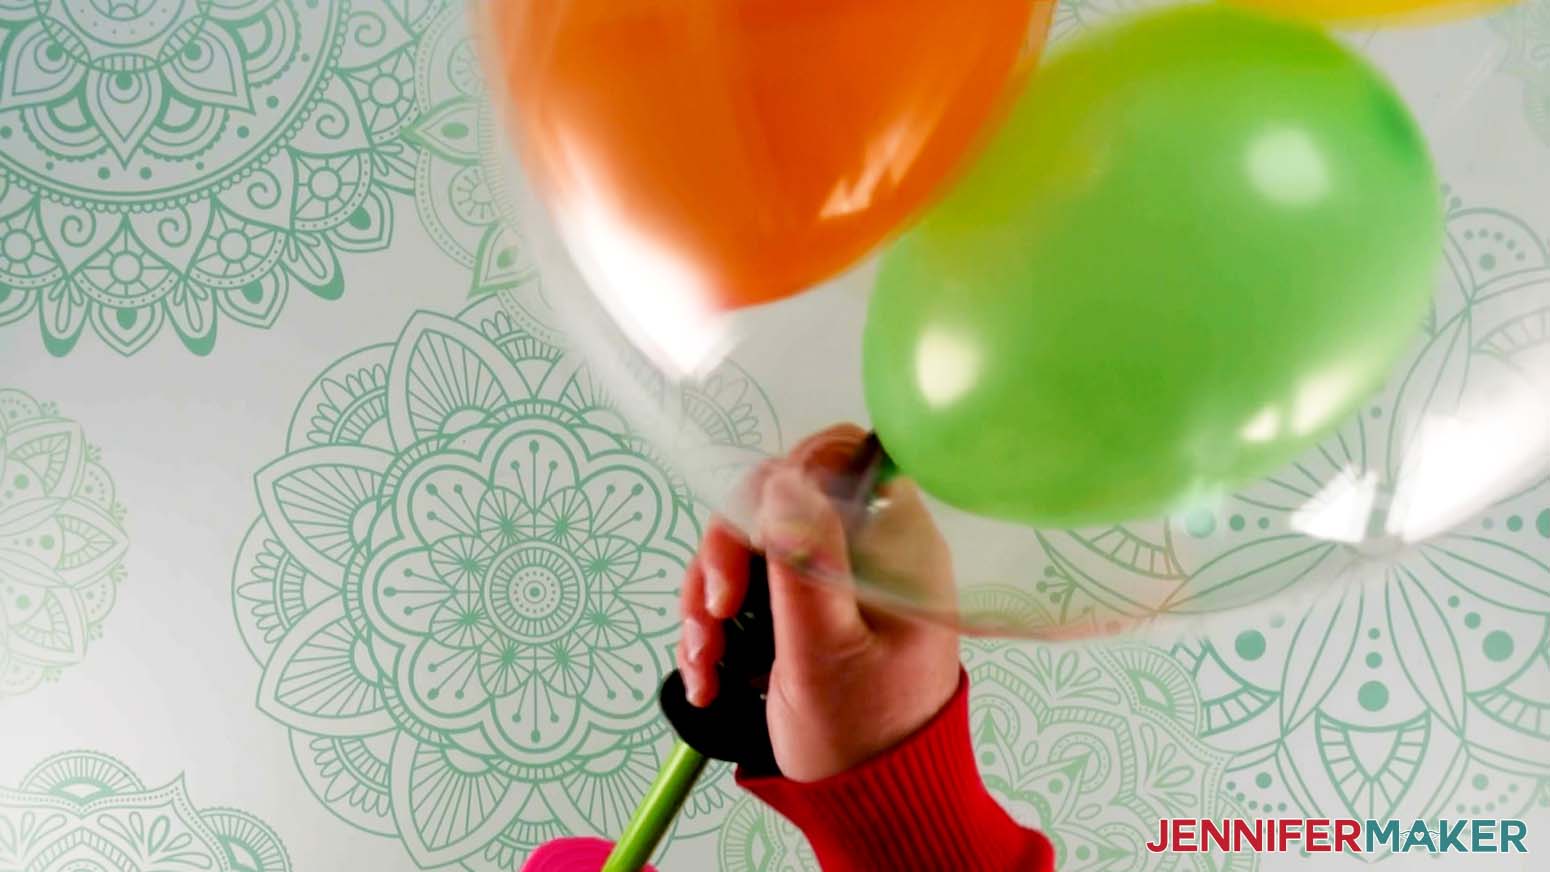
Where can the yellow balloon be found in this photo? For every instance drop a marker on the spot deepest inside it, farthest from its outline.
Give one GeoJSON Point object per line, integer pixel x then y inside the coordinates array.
{"type": "Point", "coordinates": [1374, 11]}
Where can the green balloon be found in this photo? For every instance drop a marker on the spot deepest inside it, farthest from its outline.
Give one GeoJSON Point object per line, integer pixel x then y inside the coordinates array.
{"type": "Point", "coordinates": [1199, 240]}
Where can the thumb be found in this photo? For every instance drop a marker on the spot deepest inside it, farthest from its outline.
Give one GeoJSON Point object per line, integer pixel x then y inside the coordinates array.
{"type": "Point", "coordinates": [815, 611]}
{"type": "Point", "coordinates": [902, 555]}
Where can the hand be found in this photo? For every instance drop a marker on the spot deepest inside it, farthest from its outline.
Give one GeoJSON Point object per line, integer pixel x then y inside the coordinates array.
{"type": "Point", "coordinates": [848, 682]}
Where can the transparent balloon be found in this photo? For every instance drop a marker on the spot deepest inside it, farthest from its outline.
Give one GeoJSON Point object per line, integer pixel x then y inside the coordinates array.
{"type": "Point", "coordinates": [1440, 467]}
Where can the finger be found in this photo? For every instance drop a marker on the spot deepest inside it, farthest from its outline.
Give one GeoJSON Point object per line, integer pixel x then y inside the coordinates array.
{"type": "Point", "coordinates": [701, 684]}
{"type": "Point", "coordinates": [742, 501]}
{"type": "Point", "coordinates": [816, 615]}
{"type": "Point", "coordinates": [813, 606]}
{"type": "Point", "coordinates": [692, 682]}
{"type": "Point", "coordinates": [724, 560]}
{"type": "Point", "coordinates": [701, 641]}
{"type": "Point", "coordinates": [900, 552]}
{"type": "Point", "coordinates": [825, 454]}
{"type": "Point", "coordinates": [702, 646]}
{"type": "Point", "coordinates": [691, 601]}
{"type": "Point", "coordinates": [830, 451]}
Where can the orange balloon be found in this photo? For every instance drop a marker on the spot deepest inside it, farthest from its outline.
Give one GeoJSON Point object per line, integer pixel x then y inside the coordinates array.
{"type": "Point", "coordinates": [751, 147]}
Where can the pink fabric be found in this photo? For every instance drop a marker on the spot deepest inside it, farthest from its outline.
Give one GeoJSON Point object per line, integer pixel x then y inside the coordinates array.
{"type": "Point", "coordinates": [576, 854]}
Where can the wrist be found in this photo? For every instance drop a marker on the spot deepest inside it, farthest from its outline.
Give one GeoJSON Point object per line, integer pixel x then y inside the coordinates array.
{"type": "Point", "coordinates": [927, 701]}
{"type": "Point", "coordinates": [918, 805]}
{"type": "Point", "coordinates": [823, 731]}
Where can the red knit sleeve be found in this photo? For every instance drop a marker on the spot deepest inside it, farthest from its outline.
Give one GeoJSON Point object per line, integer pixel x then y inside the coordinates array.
{"type": "Point", "coordinates": [918, 806]}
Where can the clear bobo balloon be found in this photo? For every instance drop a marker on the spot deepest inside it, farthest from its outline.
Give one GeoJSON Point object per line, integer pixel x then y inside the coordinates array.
{"type": "Point", "coordinates": [700, 263]}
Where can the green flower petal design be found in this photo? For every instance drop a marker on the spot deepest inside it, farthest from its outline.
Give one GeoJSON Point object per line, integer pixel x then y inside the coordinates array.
{"type": "Point", "coordinates": [756, 839]}
{"type": "Point", "coordinates": [83, 810]}
{"type": "Point", "coordinates": [462, 588]}
{"type": "Point", "coordinates": [172, 161]}
{"type": "Point", "coordinates": [1093, 746]}
{"type": "Point", "coordinates": [461, 193]}
{"type": "Point", "coordinates": [62, 543]}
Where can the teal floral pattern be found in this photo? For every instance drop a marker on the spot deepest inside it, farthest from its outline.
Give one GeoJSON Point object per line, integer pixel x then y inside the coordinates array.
{"type": "Point", "coordinates": [755, 839]}
{"type": "Point", "coordinates": [84, 812]}
{"type": "Point", "coordinates": [177, 161]}
{"type": "Point", "coordinates": [462, 196]}
{"type": "Point", "coordinates": [62, 543]}
{"type": "Point", "coordinates": [1093, 746]}
{"type": "Point", "coordinates": [463, 589]}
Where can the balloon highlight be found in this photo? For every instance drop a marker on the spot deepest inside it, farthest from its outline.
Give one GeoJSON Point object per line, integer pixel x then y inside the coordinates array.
{"type": "Point", "coordinates": [1199, 240]}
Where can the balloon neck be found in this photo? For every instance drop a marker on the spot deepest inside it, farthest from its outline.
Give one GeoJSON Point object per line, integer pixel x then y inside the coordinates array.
{"type": "Point", "coordinates": [887, 470]}
{"type": "Point", "coordinates": [868, 470]}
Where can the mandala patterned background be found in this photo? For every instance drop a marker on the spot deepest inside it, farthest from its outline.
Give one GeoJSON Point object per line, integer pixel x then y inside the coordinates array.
{"type": "Point", "coordinates": [445, 567]}
{"type": "Point", "coordinates": [62, 543]}
{"type": "Point", "coordinates": [461, 194]}
{"type": "Point", "coordinates": [463, 588]}
{"type": "Point", "coordinates": [177, 162]}
{"type": "Point", "coordinates": [86, 811]}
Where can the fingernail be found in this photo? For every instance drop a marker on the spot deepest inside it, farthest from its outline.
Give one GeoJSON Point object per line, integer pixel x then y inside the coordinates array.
{"type": "Point", "coordinates": [718, 594]}
{"type": "Point", "coordinates": [695, 641]}
{"type": "Point", "coordinates": [694, 690]}
{"type": "Point", "coordinates": [791, 508]}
